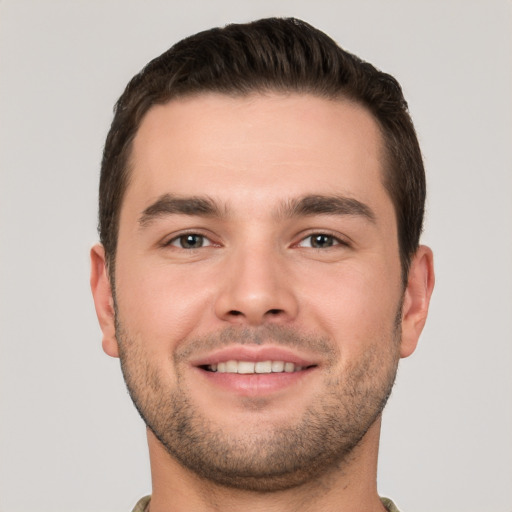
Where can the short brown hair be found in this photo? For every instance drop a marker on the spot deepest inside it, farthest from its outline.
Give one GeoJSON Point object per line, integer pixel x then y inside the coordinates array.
{"type": "Point", "coordinates": [272, 54]}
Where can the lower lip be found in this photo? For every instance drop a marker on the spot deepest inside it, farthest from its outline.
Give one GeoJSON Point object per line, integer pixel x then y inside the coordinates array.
{"type": "Point", "coordinates": [255, 384]}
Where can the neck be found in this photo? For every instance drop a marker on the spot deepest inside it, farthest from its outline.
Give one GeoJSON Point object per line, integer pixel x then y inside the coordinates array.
{"type": "Point", "coordinates": [349, 486]}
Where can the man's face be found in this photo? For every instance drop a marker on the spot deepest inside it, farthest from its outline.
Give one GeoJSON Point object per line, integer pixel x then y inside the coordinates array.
{"type": "Point", "coordinates": [256, 236]}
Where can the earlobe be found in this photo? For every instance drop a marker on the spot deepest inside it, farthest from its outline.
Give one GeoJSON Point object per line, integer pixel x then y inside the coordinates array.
{"type": "Point", "coordinates": [103, 300]}
{"type": "Point", "coordinates": [417, 299]}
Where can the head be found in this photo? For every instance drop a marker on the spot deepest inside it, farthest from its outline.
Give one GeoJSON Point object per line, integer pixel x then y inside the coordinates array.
{"type": "Point", "coordinates": [261, 202]}
{"type": "Point", "coordinates": [281, 55]}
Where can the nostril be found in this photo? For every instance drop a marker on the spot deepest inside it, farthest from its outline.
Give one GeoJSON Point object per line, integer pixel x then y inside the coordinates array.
{"type": "Point", "coordinates": [233, 312]}
{"type": "Point", "coordinates": [274, 311]}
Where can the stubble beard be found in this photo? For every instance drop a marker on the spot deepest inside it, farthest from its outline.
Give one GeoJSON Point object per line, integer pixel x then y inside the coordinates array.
{"type": "Point", "coordinates": [266, 459]}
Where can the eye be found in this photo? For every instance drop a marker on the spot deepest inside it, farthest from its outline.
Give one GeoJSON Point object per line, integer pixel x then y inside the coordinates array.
{"type": "Point", "coordinates": [320, 241]}
{"type": "Point", "coordinates": [190, 241]}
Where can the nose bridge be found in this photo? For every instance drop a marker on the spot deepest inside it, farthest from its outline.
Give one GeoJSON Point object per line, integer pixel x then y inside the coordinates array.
{"type": "Point", "coordinates": [255, 286]}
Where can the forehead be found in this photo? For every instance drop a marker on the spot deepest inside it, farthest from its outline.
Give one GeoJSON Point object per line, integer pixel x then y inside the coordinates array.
{"type": "Point", "coordinates": [274, 145]}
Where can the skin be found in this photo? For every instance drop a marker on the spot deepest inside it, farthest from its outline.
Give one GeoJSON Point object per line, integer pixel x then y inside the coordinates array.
{"type": "Point", "coordinates": [258, 281]}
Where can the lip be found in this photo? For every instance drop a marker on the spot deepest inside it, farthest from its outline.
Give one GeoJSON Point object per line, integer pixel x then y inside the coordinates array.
{"type": "Point", "coordinates": [254, 353]}
{"type": "Point", "coordinates": [253, 385]}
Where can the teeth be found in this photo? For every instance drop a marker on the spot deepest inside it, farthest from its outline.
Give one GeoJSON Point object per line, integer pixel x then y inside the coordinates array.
{"type": "Point", "coordinates": [232, 367]}
{"type": "Point", "coordinates": [263, 367]}
{"type": "Point", "coordinates": [243, 367]}
{"type": "Point", "coordinates": [289, 367]}
{"type": "Point", "coordinates": [247, 367]}
{"type": "Point", "coordinates": [277, 366]}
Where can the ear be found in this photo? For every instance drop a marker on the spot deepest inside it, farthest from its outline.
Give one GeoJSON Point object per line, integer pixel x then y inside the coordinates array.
{"type": "Point", "coordinates": [103, 300]}
{"type": "Point", "coordinates": [417, 299]}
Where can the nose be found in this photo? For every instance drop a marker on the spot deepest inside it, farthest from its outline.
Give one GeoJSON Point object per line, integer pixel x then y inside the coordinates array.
{"type": "Point", "coordinates": [257, 287]}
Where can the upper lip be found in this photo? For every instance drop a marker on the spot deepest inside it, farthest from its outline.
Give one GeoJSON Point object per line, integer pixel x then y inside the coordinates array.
{"type": "Point", "coordinates": [253, 353]}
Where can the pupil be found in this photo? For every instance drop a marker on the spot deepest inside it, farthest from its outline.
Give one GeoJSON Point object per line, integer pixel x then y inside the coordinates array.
{"type": "Point", "coordinates": [322, 241]}
{"type": "Point", "coordinates": [191, 241]}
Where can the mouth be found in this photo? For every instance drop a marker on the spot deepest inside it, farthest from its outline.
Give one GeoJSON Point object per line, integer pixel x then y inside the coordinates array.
{"type": "Point", "coordinates": [255, 370]}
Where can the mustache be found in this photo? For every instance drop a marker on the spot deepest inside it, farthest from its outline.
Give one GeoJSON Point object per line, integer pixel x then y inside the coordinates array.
{"type": "Point", "coordinates": [262, 335]}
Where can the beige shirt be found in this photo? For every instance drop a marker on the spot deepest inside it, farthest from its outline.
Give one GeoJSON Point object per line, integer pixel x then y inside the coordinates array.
{"type": "Point", "coordinates": [143, 503]}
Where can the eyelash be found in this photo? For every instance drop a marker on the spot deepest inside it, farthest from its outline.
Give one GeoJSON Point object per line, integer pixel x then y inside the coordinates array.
{"type": "Point", "coordinates": [173, 242]}
{"type": "Point", "coordinates": [332, 240]}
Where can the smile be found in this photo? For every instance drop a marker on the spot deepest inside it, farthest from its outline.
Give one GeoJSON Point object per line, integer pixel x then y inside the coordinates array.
{"type": "Point", "coordinates": [251, 367]}
{"type": "Point", "coordinates": [253, 371]}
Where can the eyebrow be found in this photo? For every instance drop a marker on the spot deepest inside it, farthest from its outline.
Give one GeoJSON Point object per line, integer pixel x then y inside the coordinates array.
{"type": "Point", "coordinates": [203, 206]}
{"type": "Point", "coordinates": [168, 204]}
{"type": "Point", "coordinates": [326, 205]}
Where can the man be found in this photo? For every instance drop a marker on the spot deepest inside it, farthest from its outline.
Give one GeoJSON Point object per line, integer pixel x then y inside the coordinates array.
{"type": "Point", "coordinates": [260, 273]}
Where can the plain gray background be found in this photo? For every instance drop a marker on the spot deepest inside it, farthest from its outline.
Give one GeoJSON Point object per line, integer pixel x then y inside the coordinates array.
{"type": "Point", "coordinates": [70, 439]}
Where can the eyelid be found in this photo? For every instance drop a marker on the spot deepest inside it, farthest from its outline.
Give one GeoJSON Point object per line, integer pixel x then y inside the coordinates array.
{"type": "Point", "coordinates": [174, 237]}
{"type": "Point", "coordinates": [339, 239]}
{"type": "Point", "coordinates": [175, 242]}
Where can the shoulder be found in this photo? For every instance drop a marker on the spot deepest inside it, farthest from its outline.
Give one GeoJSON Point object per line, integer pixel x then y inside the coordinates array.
{"type": "Point", "coordinates": [390, 506]}
{"type": "Point", "coordinates": [142, 504]}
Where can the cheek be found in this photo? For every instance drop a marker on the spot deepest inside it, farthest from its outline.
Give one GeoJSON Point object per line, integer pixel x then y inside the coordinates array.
{"type": "Point", "coordinates": [162, 304]}
{"type": "Point", "coordinates": [356, 305]}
